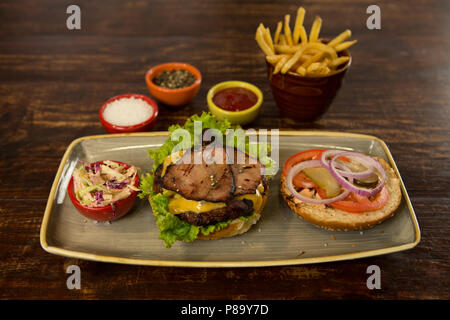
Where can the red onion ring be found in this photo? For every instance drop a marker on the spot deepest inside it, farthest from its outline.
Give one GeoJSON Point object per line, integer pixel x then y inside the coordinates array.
{"type": "Point", "coordinates": [366, 160]}
{"type": "Point", "coordinates": [298, 168]}
{"type": "Point", "coordinates": [345, 173]}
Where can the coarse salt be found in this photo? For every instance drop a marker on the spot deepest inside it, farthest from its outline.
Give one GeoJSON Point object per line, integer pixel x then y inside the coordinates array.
{"type": "Point", "coordinates": [127, 112]}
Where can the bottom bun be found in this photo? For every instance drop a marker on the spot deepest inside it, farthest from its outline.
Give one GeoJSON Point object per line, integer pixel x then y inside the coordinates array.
{"type": "Point", "coordinates": [335, 219]}
{"type": "Point", "coordinates": [236, 227]}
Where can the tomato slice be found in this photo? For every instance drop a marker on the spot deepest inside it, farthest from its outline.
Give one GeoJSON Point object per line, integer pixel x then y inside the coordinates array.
{"type": "Point", "coordinates": [358, 204]}
{"type": "Point", "coordinates": [312, 154]}
{"type": "Point", "coordinates": [302, 181]}
{"type": "Point", "coordinates": [322, 193]}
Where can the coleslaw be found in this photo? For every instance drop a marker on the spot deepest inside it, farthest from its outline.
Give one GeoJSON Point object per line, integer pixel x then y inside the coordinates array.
{"type": "Point", "coordinates": [103, 183]}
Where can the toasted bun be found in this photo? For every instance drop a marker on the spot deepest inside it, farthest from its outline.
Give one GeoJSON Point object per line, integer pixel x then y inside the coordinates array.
{"type": "Point", "coordinates": [334, 219]}
{"type": "Point", "coordinates": [237, 226]}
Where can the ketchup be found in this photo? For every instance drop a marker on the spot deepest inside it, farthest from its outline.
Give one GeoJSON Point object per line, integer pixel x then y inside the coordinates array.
{"type": "Point", "coordinates": [235, 99]}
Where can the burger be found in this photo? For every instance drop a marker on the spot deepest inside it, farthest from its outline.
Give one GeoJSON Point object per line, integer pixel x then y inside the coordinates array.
{"type": "Point", "coordinates": [206, 192]}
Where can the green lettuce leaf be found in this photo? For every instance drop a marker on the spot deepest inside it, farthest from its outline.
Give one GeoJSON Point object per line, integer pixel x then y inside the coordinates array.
{"type": "Point", "coordinates": [146, 186]}
{"type": "Point", "coordinates": [206, 230]}
{"type": "Point", "coordinates": [208, 122]}
{"type": "Point", "coordinates": [171, 228]}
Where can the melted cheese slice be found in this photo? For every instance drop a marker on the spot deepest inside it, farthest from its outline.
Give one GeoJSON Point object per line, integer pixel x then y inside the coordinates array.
{"type": "Point", "coordinates": [256, 198]}
{"type": "Point", "coordinates": [173, 158]}
{"type": "Point", "coordinates": [178, 204]}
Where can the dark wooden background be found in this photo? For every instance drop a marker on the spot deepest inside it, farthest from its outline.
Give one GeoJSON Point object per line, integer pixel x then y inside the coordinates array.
{"type": "Point", "coordinates": [53, 81]}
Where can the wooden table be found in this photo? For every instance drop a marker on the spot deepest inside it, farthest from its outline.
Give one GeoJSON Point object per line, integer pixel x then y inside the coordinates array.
{"type": "Point", "coordinates": [54, 80]}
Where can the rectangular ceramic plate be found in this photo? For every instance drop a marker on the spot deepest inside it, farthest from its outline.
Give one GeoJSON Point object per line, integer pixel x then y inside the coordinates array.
{"type": "Point", "coordinates": [279, 238]}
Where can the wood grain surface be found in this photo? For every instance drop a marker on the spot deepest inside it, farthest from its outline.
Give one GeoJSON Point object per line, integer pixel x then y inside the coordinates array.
{"type": "Point", "coordinates": [53, 81]}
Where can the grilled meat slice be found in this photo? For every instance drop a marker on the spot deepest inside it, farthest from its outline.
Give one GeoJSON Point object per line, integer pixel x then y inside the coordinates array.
{"type": "Point", "coordinates": [220, 175]}
{"type": "Point", "coordinates": [157, 188]}
{"type": "Point", "coordinates": [247, 173]}
{"type": "Point", "coordinates": [208, 180]}
{"type": "Point", "coordinates": [214, 175]}
{"type": "Point", "coordinates": [213, 182]}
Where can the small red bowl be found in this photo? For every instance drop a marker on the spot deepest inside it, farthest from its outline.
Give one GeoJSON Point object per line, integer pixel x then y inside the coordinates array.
{"type": "Point", "coordinates": [105, 213]}
{"type": "Point", "coordinates": [141, 127]}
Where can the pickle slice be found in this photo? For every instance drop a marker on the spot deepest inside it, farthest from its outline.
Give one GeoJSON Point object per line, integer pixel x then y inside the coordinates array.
{"type": "Point", "coordinates": [368, 182]}
{"type": "Point", "coordinates": [323, 178]}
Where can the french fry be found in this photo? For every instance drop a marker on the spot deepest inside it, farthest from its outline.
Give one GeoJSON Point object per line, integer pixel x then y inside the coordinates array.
{"type": "Point", "coordinates": [337, 62]}
{"type": "Point", "coordinates": [277, 32]}
{"type": "Point", "coordinates": [299, 24]}
{"type": "Point", "coordinates": [303, 35]}
{"type": "Point", "coordinates": [325, 64]}
{"type": "Point", "coordinates": [305, 56]}
{"type": "Point", "coordinates": [343, 36]}
{"type": "Point", "coordinates": [311, 51]}
{"type": "Point", "coordinates": [312, 60]}
{"type": "Point", "coordinates": [315, 29]}
{"type": "Point", "coordinates": [317, 69]}
{"type": "Point", "coordinates": [344, 45]}
{"type": "Point", "coordinates": [279, 48]}
{"type": "Point", "coordinates": [323, 47]}
{"type": "Point", "coordinates": [282, 40]}
{"type": "Point", "coordinates": [293, 60]}
{"type": "Point", "coordinates": [259, 37]}
{"type": "Point", "coordinates": [287, 30]}
{"type": "Point", "coordinates": [274, 58]}
{"type": "Point", "coordinates": [299, 63]}
{"type": "Point", "coordinates": [301, 71]}
{"type": "Point", "coordinates": [280, 64]}
{"type": "Point", "coordinates": [268, 38]}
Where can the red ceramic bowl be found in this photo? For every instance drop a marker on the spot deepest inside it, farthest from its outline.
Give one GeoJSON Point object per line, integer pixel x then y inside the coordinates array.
{"type": "Point", "coordinates": [141, 127]}
{"type": "Point", "coordinates": [306, 99]}
{"type": "Point", "coordinates": [173, 97]}
{"type": "Point", "coordinates": [105, 213]}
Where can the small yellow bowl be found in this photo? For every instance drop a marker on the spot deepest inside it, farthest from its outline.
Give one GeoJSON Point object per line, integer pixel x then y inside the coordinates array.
{"type": "Point", "coordinates": [235, 117]}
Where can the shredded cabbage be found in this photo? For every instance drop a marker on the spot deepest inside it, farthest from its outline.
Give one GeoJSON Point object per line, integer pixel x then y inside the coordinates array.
{"type": "Point", "coordinates": [103, 184]}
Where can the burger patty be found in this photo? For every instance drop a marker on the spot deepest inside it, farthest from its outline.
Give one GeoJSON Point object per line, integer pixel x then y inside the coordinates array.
{"type": "Point", "coordinates": [213, 182]}
{"type": "Point", "coordinates": [233, 210]}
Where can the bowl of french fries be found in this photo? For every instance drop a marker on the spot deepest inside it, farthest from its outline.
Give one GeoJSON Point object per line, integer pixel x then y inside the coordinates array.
{"type": "Point", "coordinates": [305, 70]}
